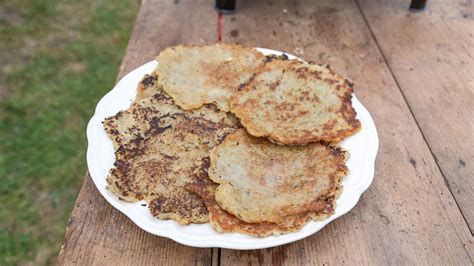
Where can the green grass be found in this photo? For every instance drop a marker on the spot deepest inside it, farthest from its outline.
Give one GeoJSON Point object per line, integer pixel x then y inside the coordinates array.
{"type": "Point", "coordinates": [57, 59]}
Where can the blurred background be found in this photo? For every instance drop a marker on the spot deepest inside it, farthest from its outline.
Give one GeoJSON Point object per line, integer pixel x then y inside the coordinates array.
{"type": "Point", "coordinates": [57, 58]}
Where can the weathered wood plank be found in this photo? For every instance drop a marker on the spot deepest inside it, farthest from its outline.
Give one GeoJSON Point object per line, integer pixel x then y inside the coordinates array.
{"type": "Point", "coordinates": [408, 215]}
{"type": "Point", "coordinates": [166, 23]}
{"type": "Point", "coordinates": [431, 54]}
{"type": "Point", "coordinates": [97, 233]}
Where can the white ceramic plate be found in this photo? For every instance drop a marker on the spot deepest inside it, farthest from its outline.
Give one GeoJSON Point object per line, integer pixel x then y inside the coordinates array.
{"type": "Point", "coordinates": [100, 158]}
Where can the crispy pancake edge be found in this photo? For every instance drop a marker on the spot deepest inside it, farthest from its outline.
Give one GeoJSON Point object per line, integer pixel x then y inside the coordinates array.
{"type": "Point", "coordinates": [346, 110]}
{"type": "Point", "coordinates": [338, 157]}
{"type": "Point", "coordinates": [145, 89]}
{"type": "Point", "coordinates": [222, 105]}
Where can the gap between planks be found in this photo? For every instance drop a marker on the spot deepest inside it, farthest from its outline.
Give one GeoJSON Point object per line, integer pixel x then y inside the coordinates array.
{"type": "Point", "coordinates": [411, 111]}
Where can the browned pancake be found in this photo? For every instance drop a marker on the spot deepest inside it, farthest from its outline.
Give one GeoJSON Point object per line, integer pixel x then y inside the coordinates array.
{"type": "Point", "coordinates": [260, 181]}
{"type": "Point", "coordinates": [159, 148]}
{"type": "Point", "coordinates": [196, 75]}
{"type": "Point", "coordinates": [294, 103]}
{"type": "Point", "coordinates": [222, 221]}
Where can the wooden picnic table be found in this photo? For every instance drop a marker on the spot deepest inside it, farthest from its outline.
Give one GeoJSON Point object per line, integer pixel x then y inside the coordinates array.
{"type": "Point", "coordinates": [415, 74]}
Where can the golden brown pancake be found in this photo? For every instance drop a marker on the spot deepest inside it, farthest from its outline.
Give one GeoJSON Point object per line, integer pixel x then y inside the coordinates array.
{"type": "Point", "coordinates": [260, 181]}
{"type": "Point", "coordinates": [294, 103]}
{"type": "Point", "coordinates": [159, 148]}
{"type": "Point", "coordinates": [223, 222]}
{"type": "Point", "coordinates": [196, 75]}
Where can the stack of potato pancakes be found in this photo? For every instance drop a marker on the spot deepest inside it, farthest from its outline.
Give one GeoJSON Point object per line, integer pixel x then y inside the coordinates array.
{"type": "Point", "coordinates": [223, 134]}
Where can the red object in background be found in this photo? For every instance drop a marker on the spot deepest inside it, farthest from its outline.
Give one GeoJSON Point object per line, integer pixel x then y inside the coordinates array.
{"type": "Point", "coordinates": [219, 32]}
{"type": "Point", "coordinates": [223, 7]}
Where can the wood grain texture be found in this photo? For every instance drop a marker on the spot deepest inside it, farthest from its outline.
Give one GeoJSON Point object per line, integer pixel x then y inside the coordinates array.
{"type": "Point", "coordinates": [97, 233]}
{"type": "Point", "coordinates": [431, 55]}
{"type": "Point", "coordinates": [166, 23]}
{"type": "Point", "coordinates": [408, 215]}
